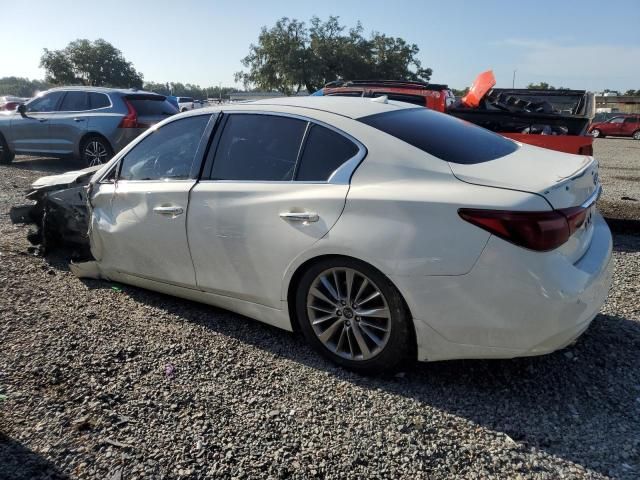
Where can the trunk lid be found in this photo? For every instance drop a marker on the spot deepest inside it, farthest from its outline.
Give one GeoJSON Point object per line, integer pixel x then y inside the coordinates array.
{"type": "Point", "coordinates": [563, 179]}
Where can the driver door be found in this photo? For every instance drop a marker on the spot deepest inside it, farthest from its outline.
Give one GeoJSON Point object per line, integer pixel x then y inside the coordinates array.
{"type": "Point", "coordinates": [139, 221]}
{"type": "Point", "coordinates": [31, 133]}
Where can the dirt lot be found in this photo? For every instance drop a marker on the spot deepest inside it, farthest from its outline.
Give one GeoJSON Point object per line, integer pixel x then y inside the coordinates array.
{"type": "Point", "coordinates": [620, 173]}
{"type": "Point", "coordinates": [109, 381]}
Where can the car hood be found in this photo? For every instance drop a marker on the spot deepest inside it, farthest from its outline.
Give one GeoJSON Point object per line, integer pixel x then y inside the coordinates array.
{"type": "Point", "coordinates": [65, 179]}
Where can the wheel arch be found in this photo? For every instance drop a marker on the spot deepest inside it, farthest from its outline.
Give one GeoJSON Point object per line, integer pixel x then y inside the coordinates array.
{"type": "Point", "coordinates": [303, 267]}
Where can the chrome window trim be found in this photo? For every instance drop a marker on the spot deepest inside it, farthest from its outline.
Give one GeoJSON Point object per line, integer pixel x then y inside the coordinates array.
{"type": "Point", "coordinates": [340, 176]}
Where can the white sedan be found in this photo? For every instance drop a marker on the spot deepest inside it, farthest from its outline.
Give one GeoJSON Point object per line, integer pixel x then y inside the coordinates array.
{"type": "Point", "coordinates": [381, 230]}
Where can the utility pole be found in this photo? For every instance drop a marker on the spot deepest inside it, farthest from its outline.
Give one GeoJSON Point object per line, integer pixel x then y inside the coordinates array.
{"type": "Point", "coordinates": [220, 92]}
{"type": "Point", "coordinates": [513, 83]}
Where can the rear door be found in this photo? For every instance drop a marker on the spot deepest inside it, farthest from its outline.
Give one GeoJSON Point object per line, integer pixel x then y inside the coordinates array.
{"type": "Point", "coordinates": [139, 225]}
{"type": "Point", "coordinates": [30, 134]}
{"type": "Point", "coordinates": [69, 123]}
{"type": "Point", "coordinates": [273, 187]}
{"type": "Point", "coordinates": [629, 126]}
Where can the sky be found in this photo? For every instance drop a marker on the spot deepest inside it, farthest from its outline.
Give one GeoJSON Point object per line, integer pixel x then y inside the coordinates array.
{"type": "Point", "coordinates": [582, 44]}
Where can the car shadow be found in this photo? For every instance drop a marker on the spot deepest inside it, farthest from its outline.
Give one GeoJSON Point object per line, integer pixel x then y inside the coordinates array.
{"type": "Point", "coordinates": [46, 165]}
{"type": "Point", "coordinates": [17, 462]}
{"type": "Point", "coordinates": [564, 403]}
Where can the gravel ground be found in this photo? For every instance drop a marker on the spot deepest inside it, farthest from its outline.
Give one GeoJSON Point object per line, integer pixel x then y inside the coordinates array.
{"type": "Point", "coordinates": [620, 174]}
{"type": "Point", "coordinates": [108, 381]}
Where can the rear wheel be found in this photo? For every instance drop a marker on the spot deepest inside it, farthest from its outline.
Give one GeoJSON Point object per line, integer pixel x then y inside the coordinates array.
{"type": "Point", "coordinates": [95, 150]}
{"type": "Point", "coordinates": [595, 133]}
{"type": "Point", "coordinates": [636, 135]}
{"type": "Point", "coordinates": [6, 155]}
{"type": "Point", "coordinates": [353, 315]}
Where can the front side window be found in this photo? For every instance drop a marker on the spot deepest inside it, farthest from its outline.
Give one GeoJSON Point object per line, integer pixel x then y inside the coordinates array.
{"type": "Point", "coordinates": [166, 154]}
{"type": "Point", "coordinates": [75, 102]}
{"type": "Point", "coordinates": [45, 103]}
{"type": "Point", "coordinates": [258, 148]}
{"type": "Point", "coordinates": [617, 120]}
{"type": "Point", "coordinates": [324, 151]}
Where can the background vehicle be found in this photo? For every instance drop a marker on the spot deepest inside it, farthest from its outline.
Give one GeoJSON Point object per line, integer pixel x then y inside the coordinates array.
{"type": "Point", "coordinates": [91, 123]}
{"type": "Point", "coordinates": [185, 103]}
{"type": "Point", "coordinates": [619, 126]}
{"type": "Point", "coordinates": [9, 102]}
{"type": "Point", "coordinates": [382, 231]}
{"type": "Point", "coordinates": [554, 119]}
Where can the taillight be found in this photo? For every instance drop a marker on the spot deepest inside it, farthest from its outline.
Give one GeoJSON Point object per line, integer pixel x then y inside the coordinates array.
{"type": "Point", "coordinates": [540, 231]}
{"type": "Point", "coordinates": [130, 120]}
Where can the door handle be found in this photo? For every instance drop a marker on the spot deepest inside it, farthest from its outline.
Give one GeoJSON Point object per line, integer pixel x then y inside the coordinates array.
{"type": "Point", "coordinates": [78, 119]}
{"type": "Point", "coordinates": [42, 120]}
{"type": "Point", "coordinates": [171, 211]}
{"type": "Point", "coordinates": [300, 216]}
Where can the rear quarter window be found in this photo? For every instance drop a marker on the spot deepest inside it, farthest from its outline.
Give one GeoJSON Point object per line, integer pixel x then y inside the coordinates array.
{"type": "Point", "coordinates": [443, 136]}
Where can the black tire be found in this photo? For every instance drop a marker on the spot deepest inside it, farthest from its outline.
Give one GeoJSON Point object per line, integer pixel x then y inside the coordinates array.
{"type": "Point", "coordinates": [95, 150]}
{"type": "Point", "coordinates": [636, 135]}
{"type": "Point", "coordinates": [6, 155]}
{"type": "Point", "coordinates": [596, 133]}
{"type": "Point", "coordinates": [400, 345]}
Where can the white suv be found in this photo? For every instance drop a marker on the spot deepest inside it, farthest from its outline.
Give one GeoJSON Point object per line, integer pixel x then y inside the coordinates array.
{"type": "Point", "coordinates": [185, 103]}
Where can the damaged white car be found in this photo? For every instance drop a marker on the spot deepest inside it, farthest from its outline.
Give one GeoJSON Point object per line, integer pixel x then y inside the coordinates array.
{"type": "Point", "coordinates": [382, 231]}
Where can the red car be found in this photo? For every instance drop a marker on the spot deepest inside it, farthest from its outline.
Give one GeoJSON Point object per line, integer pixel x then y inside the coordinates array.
{"type": "Point", "coordinates": [620, 126]}
{"type": "Point", "coordinates": [554, 119]}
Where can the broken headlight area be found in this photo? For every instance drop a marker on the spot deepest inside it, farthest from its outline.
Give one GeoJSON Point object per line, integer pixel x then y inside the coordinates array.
{"type": "Point", "coordinates": [59, 213]}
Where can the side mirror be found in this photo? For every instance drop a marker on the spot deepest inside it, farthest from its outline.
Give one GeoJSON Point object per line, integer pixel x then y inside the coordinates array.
{"type": "Point", "coordinates": [22, 110]}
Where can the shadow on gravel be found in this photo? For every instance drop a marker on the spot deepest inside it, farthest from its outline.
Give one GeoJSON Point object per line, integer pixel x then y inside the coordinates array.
{"type": "Point", "coordinates": [581, 404]}
{"type": "Point", "coordinates": [46, 165]}
{"type": "Point", "coordinates": [19, 463]}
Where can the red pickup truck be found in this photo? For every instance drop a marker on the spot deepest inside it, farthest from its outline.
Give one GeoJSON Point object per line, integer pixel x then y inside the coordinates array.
{"type": "Point", "coordinates": [555, 119]}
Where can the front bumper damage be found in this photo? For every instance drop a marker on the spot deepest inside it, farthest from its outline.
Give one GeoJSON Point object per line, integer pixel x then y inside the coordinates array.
{"type": "Point", "coordinates": [59, 212]}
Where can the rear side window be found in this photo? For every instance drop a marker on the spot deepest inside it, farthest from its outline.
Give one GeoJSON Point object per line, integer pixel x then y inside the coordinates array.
{"type": "Point", "coordinates": [75, 102]}
{"type": "Point", "coordinates": [630, 120]}
{"type": "Point", "coordinates": [98, 100]}
{"type": "Point", "coordinates": [442, 136]}
{"type": "Point", "coordinates": [167, 153]}
{"type": "Point", "coordinates": [151, 105]}
{"type": "Point", "coordinates": [258, 148]}
{"type": "Point", "coordinates": [324, 151]}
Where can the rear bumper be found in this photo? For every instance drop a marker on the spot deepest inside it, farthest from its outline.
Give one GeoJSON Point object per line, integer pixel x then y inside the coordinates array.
{"type": "Point", "coordinates": [513, 303]}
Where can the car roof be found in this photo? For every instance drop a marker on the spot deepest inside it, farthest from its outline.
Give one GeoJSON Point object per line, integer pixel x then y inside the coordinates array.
{"type": "Point", "coordinates": [82, 88]}
{"type": "Point", "coordinates": [345, 106]}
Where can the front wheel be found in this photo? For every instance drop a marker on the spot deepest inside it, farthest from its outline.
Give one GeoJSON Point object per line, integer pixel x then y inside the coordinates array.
{"type": "Point", "coordinates": [595, 133]}
{"type": "Point", "coordinates": [636, 135]}
{"type": "Point", "coordinates": [353, 315]}
{"type": "Point", "coordinates": [95, 151]}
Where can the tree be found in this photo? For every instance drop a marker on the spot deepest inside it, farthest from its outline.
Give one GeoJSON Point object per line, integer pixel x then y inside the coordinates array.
{"type": "Point", "coordinates": [189, 90]}
{"type": "Point", "coordinates": [541, 86]}
{"type": "Point", "coordinates": [632, 93]}
{"type": "Point", "coordinates": [21, 87]}
{"type": "Point", "coordinates": [289, 56]}
{"type": "Point", "coordinates": [95, 63]}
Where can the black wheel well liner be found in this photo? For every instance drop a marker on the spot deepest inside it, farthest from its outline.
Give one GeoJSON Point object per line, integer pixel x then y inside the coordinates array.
{"type": "Point", "coordinates": [297, 275]}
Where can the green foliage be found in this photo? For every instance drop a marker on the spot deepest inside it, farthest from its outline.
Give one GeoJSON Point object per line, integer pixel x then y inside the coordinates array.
{"type": "Point", "coordinates": [189, 90]}
{"type": "Point", "coordinates": [632, 93]}
{"type": "Point", "coordinates": [289, 56]}
{"type": "Point", "coordinates": [21, 87]}
{"type": "Point", "coordinates": [83, 62]}
{"type": "Point", "coordinates": [541, 86]}
{"type": "Point", "coordinates": [460, 93]}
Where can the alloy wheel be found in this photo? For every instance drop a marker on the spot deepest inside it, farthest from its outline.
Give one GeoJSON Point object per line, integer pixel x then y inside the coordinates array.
{"type": "Point", "coordinates": [95, 153]}
{"type": "Point", "coordinates": [636, 135]}
{"type": "Point", "coordinates": [595, 133]}
{"type": "Point", "coordinates": [349, 313]}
